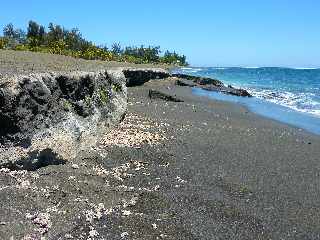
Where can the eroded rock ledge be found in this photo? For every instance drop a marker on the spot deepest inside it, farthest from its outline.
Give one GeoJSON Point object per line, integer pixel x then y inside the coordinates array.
{"type": "Point", "coordinates": [49, 118]}
{"type": "Point", "coordinates": [137, 77]}
{"type": "Point", "coordinates": [57, 113]}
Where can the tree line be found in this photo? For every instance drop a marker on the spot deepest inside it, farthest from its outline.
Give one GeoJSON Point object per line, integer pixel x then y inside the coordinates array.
{"type": "Point", "coordinates": [59, 40]}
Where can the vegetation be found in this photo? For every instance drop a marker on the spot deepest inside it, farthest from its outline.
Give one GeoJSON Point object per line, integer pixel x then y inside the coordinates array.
{"type": "Point", "coordinates": [58, 40]}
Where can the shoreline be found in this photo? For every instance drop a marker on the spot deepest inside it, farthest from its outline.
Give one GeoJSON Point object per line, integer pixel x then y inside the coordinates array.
{"type": "Point", "coordinates": [243, 108]}
{"type": "Point", "coordinates": [292, 100]}
{"type": "Point", "coordinates": [283, 115]}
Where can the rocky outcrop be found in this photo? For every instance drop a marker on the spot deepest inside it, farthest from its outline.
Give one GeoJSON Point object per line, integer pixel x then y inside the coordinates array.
{"type": "Point", "coordinates": [209, 84]}
{"type": "Point", "coordinates": [50, 117]}
{"type": "Point", "coordinates": [137, 77]}
{"type": "Point", "coordinates": [199, 80]}
{"type": "Point", "coordinates": [228, 90]}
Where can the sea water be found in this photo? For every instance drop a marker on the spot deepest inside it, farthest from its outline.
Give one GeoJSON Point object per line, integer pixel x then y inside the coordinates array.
{"type": "Point", "coordinates": [289, 95]}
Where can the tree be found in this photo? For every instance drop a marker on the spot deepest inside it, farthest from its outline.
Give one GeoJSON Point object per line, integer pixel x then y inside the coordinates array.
{"type": "Point", "coordinates": [36, 33]}
{"type": "Point", "coordinates": [174, 58]}
{"type": "Point", "coordinates": [13, 36]}
{"type": "Point", "coordinates": [56, 32]}
{"type": "Point", "coordinates": [42, 34]}
{"type": "Point", "coordinates": [116, 48]}
{"type": "Point", "coordinates": [74, 40]}
{"type": "Point", "coordinates": [8, 31]}
{"type": "Point", "coordinates": [33, 30]}
{"type": "Point", "coordinates": [59, 40]}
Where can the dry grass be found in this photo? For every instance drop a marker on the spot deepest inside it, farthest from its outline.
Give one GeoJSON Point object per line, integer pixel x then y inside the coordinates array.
{"type": "Point", "coordinates": [19, 62]}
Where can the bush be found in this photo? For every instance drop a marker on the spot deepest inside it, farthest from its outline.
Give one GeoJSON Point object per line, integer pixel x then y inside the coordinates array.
{"type": "Point", "coordinates": [59, 40]}
{"type": "Point", "coordinates": [58, 47]}
{"type": "Point", "coordinates": [22, 47]}
{"type": "Point", "coordinates": [3, 43]}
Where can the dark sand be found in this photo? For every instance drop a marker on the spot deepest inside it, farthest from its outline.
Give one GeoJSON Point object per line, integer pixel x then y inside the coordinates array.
{"type": "Point", "coordinates": [247, 177]}
{"type": "Point", "coordinates": [199, 169]}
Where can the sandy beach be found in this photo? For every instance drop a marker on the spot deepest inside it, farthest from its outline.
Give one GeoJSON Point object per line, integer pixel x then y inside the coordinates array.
{"type": "Point", "coordinates": [247, 177]}
{"type": "Point", "coordinates": [195, 169]}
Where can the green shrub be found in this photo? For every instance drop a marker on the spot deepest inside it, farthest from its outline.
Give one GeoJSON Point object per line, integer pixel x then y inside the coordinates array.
{"type": "Point", "coordinates": [116, 87]}
{"type": "Point", "coordinates": [3, 43]}
{"type": "Point", "coordinates": [22, 47]}
{"type": "Point", "coordinates": [59, 40]}
{"type": "Point", "coordinates": [103, 96]}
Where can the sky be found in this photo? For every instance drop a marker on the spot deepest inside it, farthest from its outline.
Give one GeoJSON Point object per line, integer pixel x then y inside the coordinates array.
{"type": "Point", "coordinates": [209, 32]}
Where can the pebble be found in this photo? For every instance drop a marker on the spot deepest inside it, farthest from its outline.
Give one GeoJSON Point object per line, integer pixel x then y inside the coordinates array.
{"type": "Point", "coordinates": [124, 234]}
{"type": "Point", "coordinates": [93, 233]}
{"type": "Point", "coordinates": [126, 213]}
{"type": "Point", "coordinates": [75, 166]}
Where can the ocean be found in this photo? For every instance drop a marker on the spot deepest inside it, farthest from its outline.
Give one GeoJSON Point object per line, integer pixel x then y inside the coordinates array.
{"type": "Point", "coordinates": [289, 95]}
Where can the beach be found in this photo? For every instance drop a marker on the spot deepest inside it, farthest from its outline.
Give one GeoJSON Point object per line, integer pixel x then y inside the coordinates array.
{"type": "Point", "coordinates": [247, 177]}
{"type": "Point", "coordinates": [190, 169]}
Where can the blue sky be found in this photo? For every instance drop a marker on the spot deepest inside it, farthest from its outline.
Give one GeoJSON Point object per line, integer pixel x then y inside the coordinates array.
{"type": "Point", "coordinates": [209, 32]}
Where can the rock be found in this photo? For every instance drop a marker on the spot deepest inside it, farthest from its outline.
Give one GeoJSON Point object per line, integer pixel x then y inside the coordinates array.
{"type": "Point", "coordinates": [241, 92]}
{"type": "Point", "coordinates": [154, 94]}
{"type": "Point", "coordinates": [75, 166]}
{"type": "Point", "coordinates": [137, 77]}
{"type": "Point", "coordinates": [199, 80]}
{"type": "Point", "coordinates": [209, 84]}
{"type": "Point", "coordinates": [49, 118]}
{"type": "Point", "coordinates": [228, 90]}
{"type": "Point", "coordinates": [185, 83]}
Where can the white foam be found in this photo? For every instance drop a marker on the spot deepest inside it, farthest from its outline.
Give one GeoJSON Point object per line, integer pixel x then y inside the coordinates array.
{"type": "Point", "coordinates": [301, 102]}
{"type": "Point", "coordinates": [251, 67]}
{"type": "Point", "coordinates": [220, 68]}
{"type": "Point", "coordinates": [305, 68]}
{"type": "Point", "coordinates": [191, 70]}
{"type": "Point", "coordinates": [186, 68]}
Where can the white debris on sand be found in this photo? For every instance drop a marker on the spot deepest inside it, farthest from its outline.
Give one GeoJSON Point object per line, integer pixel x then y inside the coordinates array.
{"type": "Point", "coordinates": [126, 213]}
{"type": "Point", "coordinates": [42, 220]}
{"type": "Point", "coordinates": [75, 166]}
{"type": "Point", "coordinates": [120, 172]}
{"type": "Point", "coordinates": [21, 178]}
{"type": "Point", "coordinates": [180, 180]}
{"type": "Point", "coordinates": [95, 213]}
{"type": "Point", "coordinates": [130, 203]}
{"type": "Point", "coordinates": [134, 132]}
{"type": "Point", "coordinates": [124, 234]}
{"type": "Point", "coordinates": [93, 233]}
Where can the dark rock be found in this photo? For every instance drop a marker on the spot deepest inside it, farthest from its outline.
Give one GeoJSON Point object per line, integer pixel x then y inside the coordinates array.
{"type": "Point", "coordinates": [243, 93]}
{"type": "Point", "coordinates": [137, 77]}
{"type": "Point", "coordinates": [228, 90]}
{"type": "Point", "coordinates": [185, 83]}
{"type": "Point", "coordinates": [154, 94]}
{"type": "Point", "coordinates": [199, 80]}
{"type": "Point", "coordinates": [209, 84]}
